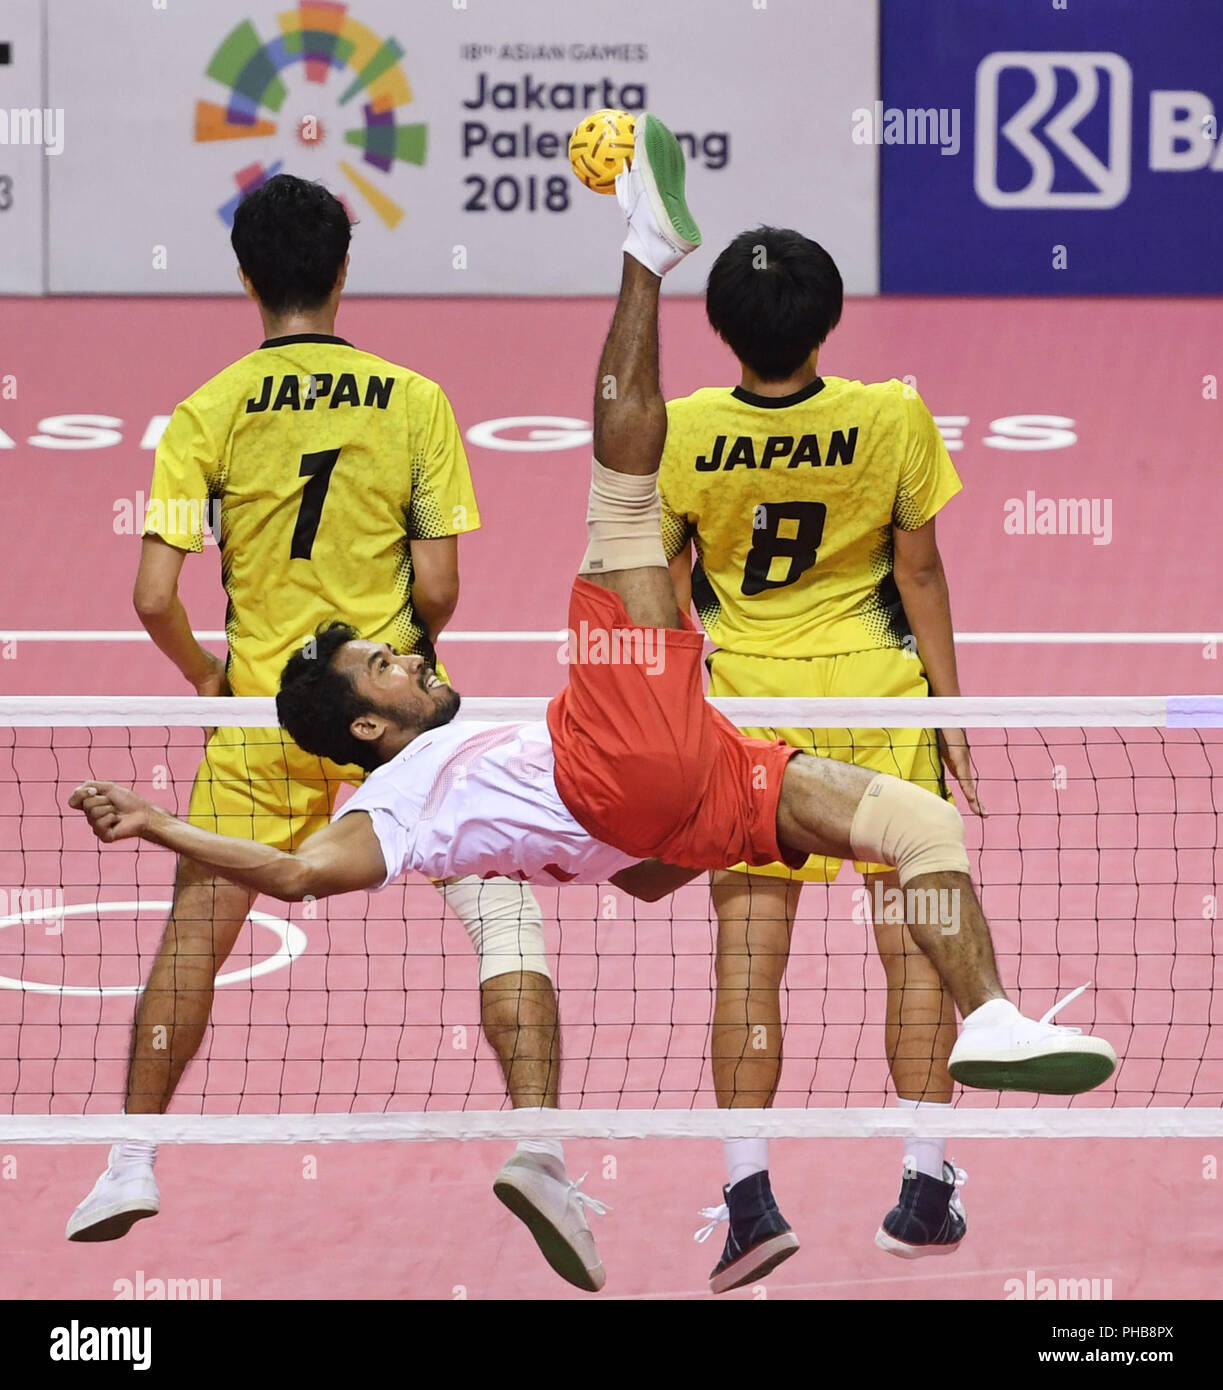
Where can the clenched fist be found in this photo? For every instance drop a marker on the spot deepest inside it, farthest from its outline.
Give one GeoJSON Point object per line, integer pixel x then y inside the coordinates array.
{"type": "Point", "coordinates": [115, 812]}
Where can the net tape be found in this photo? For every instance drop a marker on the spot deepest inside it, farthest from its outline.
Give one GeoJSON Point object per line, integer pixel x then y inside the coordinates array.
{"type": "Point", "coordinates": [1034, 712]}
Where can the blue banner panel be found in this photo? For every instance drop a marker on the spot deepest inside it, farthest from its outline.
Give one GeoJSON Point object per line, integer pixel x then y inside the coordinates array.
{"type": "Point", "coordinates": [1050, 146]}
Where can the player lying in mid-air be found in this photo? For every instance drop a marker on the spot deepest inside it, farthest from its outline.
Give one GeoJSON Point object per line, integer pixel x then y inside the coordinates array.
{"type": "Point", "coordinates": [633, 776]}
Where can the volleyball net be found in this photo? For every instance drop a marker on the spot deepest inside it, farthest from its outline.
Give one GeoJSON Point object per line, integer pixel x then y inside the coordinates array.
{"type": "Point", "coordinates": [359, 1017]}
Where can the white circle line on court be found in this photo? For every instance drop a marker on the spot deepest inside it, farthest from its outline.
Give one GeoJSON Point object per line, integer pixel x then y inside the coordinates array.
{"type": "Point", "coordinates": [292, 944]}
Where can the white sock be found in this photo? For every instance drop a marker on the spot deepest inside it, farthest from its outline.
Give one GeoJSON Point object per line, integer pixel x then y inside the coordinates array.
{"type": "Point", "coordinates": [653, 253]}
{"type": "Point", "coordinates": [133, 1153]}
{"type": "Point", "coordinates": [745, 1157]}
{"type": "Point", "coordinates": [550, 1147]}
{"type": "Point", "coordinates": [927, 1153]}
{"type": "Point", "coordinates": [646, 241]}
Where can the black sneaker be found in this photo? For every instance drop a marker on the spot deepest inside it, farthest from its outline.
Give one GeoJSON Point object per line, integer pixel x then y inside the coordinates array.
{"type": "Point", "coordinates": [758, 1239]}
{"type": "Point", "coordinates": [928, 1219]}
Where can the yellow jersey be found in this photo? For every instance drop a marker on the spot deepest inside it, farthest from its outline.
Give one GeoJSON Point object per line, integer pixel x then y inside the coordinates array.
{"type": "Point", "coordinates": [791, 501]}
{"type": "Point", "coordinates": [316, 465]}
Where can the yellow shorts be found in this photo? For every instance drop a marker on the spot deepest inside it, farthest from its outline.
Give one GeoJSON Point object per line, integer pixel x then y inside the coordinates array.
{"type": "Point", "coordinates": [259, 785]}
{"type": "Point", "coordinates": [911, 754]}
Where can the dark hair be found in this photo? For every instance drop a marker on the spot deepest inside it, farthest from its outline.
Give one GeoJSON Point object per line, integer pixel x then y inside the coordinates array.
{"type": "Point", "coordinates": [291, 237]}
{"type": "Point", "coordinates": [317, 703]}
{"type": "Point", "coordinates": [773, 297]}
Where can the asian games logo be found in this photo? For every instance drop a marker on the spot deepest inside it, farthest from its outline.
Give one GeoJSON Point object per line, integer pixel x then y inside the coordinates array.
{"type": "Point", "coordinates": [322, 38]}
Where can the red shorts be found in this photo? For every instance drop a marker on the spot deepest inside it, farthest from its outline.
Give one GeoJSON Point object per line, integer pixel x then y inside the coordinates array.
{"type": "Point", "coordinates": [644, 762]}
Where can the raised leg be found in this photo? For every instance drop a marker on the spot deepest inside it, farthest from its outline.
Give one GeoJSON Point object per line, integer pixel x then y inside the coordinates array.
{"type": "Point", "coordinates": [625, 552]}
{"type": "Point", "coordinates": [630, 428]}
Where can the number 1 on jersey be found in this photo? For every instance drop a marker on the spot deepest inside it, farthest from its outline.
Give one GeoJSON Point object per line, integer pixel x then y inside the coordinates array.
{"type": "Point", "coordinates": [807, 525]}
{"type": "Point", "coordinates": [316, 467]}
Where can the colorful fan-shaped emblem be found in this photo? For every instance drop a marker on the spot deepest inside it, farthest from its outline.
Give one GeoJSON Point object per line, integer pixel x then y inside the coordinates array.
{"type": "Point", "coordinates": [347, 68]}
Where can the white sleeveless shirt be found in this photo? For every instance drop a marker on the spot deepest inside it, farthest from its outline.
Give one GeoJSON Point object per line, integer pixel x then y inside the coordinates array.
{"type": "Point", "coordinates": [478, 798]}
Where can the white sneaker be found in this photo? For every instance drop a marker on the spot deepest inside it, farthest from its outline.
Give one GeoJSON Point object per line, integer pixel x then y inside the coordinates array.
{"type": "Point", "coordinates": [1000, 1050]}
{"type": "Point", "coordinates": [124, 1194]}
{"type": "Point", "coordinates": [662, 231]}
{"type": "Point", "coordinates": [537, 1190]}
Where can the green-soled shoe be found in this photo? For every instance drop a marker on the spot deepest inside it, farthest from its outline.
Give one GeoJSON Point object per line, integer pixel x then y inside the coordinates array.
{"type": "Point", "coordinates": [659, 160]}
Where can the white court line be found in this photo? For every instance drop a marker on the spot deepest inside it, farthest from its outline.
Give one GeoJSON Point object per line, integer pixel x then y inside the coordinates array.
{"type": "Point", "coordinates": [983, 639]}
{"type": "Point", "coordinates": [1032, 712]}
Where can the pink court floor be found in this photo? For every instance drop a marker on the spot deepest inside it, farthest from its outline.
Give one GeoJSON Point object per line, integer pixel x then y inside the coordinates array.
{"type": "Point", "coordinates": [1105, 401]}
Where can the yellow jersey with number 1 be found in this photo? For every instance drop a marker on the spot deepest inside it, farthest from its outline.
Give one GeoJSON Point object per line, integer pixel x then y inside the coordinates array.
{"type": "Point", "coordinates": [791, 503]}
{"type": "Point", "coordinates": [316, 465]}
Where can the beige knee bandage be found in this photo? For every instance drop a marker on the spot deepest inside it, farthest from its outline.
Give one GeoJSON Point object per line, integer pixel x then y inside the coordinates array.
{"type": "Point", "coordinates": [504, 922]}
{"type": "Point", "coordinates": [898, 823]}
{"type": "Point", "coordinates": [623, 522]}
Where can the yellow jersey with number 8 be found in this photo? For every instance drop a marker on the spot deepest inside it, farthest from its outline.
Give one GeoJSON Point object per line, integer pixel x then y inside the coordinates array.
{"type": "Point", "coordinates": [316, 465]}
{"type": "Point", "coordinates": [791, 501]}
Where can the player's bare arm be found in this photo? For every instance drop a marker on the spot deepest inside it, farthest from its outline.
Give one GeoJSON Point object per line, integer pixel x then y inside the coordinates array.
{"type": "Point", "coordinates": [918, 568]}
{"type": "Point", "coordinates": [681, 578]}
{"type": "Point", "coordinates": [341, 858]}
{"type": "Point", "coordinates": [435, 582]}
{"type": "Point", "coordinates": [155, 598]}
{"type": "Point", "coordinates": [922, 582]}
{"type": "Point", "coordinates": [344, 857]}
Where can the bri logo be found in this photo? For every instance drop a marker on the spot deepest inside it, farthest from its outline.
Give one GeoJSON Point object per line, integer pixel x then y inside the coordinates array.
{"type": "Point", "coordinates": [1054, 130]}
{"type": "Point", "coordinates": [1109, 176]}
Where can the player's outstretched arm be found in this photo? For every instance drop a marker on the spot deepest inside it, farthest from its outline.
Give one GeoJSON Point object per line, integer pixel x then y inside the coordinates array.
{"type": "Point", "coordinates": [344, 857]}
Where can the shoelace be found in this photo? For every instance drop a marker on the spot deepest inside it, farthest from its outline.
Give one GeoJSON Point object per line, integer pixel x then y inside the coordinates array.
{"type": "Point", "coordinates": [1061, 1004]}
{"type": "Point", "coordinates": [715, 1216]}
{"type": "Point", "coordinates": [584, 1199]}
